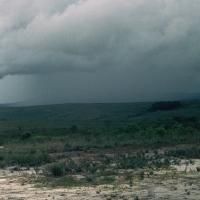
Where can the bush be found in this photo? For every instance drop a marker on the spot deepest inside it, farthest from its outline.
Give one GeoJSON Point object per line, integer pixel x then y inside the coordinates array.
{"type": "Point", "coordinates": [57, 170]}
{"type": "Point", "coordinates": [25, 135]}
{"type": "Point", "coordinates": [67, 147]}
{"type": "Point", "coordinates": [30, 159]}
{"type": "Point", "coordinates": [142, 174]}
{"type": "Point", "coordinates": [68, 181]}
{"type": "Point", "coordinates": [165, 105]}
{"type": "Point", "coordinates": [191, 152]}
{"type": "Point", "coordinates": [44, 158]}
{"type": "Point", "coordinates": [1, 157]}
{"type": "Point", "coordinates": [22, 159]}
{"type": "Point", "coordinates": [73, 129]}
{"type": "Point", "coordinates": [178, 129]}
{"type": "Point", "coordinates": [160, 131]}
{"type": "Point", "coordinates": [132, 127]}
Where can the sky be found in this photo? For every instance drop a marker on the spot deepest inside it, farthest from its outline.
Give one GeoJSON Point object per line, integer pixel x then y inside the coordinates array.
{"type": "Point", "coordinates": [86, 51]}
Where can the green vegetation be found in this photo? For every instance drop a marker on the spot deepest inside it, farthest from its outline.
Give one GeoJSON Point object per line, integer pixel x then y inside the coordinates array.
{"type": "Point", "coordinates": [97, 145]}
{"type": "Point", "coordinates": [165, 105]}
{"type": "Point", "coordinates": [18, 119]}
{"type": "Point", "coordinates": [57, 170]}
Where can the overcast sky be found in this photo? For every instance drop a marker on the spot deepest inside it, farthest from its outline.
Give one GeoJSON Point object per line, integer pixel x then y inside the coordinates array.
{"type": "Point", "coordinates": [56, 51]}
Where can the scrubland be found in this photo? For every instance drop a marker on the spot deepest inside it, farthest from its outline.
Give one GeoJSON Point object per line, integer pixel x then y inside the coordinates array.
{"type": "Point", "coordinates": [104, 154]}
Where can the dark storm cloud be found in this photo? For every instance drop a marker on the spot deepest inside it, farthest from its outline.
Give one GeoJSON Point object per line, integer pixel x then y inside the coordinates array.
{"type": "Point", "coordinates": [147, 45]}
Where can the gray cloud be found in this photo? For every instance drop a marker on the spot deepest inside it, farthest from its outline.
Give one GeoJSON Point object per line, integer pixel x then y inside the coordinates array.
{"type": "Point", "coordinates": [144, 46]}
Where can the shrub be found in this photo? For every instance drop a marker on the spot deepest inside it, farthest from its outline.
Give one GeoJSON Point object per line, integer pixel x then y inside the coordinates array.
{"type": "Point", "coordinates": [89, 178]}
{"type": "Point", "coordinates": [160, 131]}
{"type": "Point", "coordinates": [71, 165]}
{"type": "Point", "coordinates": [44, 158]}
{"type": "Point", "coordinates": [24, 159]}
{"type": "Point", "coordinates": [67, 147]}
{"type": "Point", "coordinates": [57, 170]}
{"type": "Point", "coordinates": [142, 174]}
{"type": "Point", "coordinates": [73, 129]}
{"type": "Point", "coordinates": [198, 169]}
{"type": "Point", "coordinates": [191, 152]}
{"type": "Point", "coordinates": [178, 129]}
{"type": "Point", "coordinates": [107, 123]}
{"type": "Point", "coordinates": [25, 135]}
{"type": "Point", "coordinates": [33, 151]}
{"type": "Point", "coordinates": [130, 161]}
{"type": "Point", "coordinates": [132, 127]}
{"type": "Point", "coordinates": [28, 159]}
{"type": "Point", "coordinates": [2, 164]}
{"type": "Point", "coordinates": [77, 148]}
{"type": "Point", "coordinates": [107, 179]}
{"type": "Point", "coordinates": [1, 157]}
{"type": "Point", "coordinates": [165, 105]}
{"type": "Point", "coordinates": [166, 162]}
{"type": "Point", "coordinates": [1, 141]}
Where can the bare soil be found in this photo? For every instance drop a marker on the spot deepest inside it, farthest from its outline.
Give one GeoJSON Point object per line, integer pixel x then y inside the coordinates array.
{"type": "Point", "coordinates": [175, 182]}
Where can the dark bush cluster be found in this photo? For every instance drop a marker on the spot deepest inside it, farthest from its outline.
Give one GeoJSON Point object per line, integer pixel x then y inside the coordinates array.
{"type": "Point", "coordinates": [165, 105]}
{"type": "Point", "coordinates": [25, 135]}
{"type": "Point", "coordinates": [186, 119]}
{"type": "Point", "coordinates": [192, 152]}
{"type": "Point", "coordinates": [73, 129]}
{"type": "Point", "coordinates": [57, 170]}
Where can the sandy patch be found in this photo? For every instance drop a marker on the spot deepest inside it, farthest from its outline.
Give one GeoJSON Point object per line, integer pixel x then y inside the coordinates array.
{"type": "Point", "coordinates": [172, 183]}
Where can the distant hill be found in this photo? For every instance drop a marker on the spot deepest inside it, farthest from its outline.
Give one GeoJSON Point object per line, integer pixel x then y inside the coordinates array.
{"type": "Point", "coordinates": [6, 105]}
{"type": "Point", "coordinates": [152, 98]}
{"type": "Point", "coordinates": [182, 96]}
{"type": "Point", "coordinates": [92, 115]}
